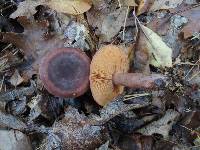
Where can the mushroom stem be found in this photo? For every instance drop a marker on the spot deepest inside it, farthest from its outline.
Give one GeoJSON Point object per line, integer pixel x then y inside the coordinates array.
{"type": "Point", "coordinates": [138, 80]}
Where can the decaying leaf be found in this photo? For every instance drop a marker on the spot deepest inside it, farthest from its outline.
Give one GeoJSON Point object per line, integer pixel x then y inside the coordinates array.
{"type": "Point", "coordinates": [153, 5]}
{"type": "Point", "coordinates": [165, 4]}
{"type": "Point", "coordinates": [127, 3]}
{"type": "Point", "coordinates": [16, 78]}
{"type": "Point", "coordinates": [193, 25]}
{"type": "Point", "coordinates": [144, 6]}
{"type": "Point", "coordinates": [14, 140]}
{"type": "Point", "coordinates": [160, 54]}
{"type": "Point", "coordinates": [26, 8]}
{"type": "Point", "coordinates": [34, 41]}
{"type": "Point", "coordinates": [107, 21]}
{"type": "Point", "coordinates": [35, 108]}
{"type": "Point", "coordinates": [112, 24]}
{"type": "Point", "coordinates": [17, 93]}
{"type": "Point", "coordinates": [17, 107]}
{"type": "Point", "coordinates": [135, 142]}
{"type": "Point", "coordinates": [162, 126]}
{"type": "Point", "coordinates": [74, 7]}
{"type": "Point", "coordinates": [9, 121]}
{"type": "Point", "coordinates": [76, 132]}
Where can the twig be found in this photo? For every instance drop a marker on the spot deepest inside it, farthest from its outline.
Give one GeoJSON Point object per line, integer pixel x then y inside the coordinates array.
{"type": "Point", "coordinates": [132, 96]}
{"type": "Point", "coordinates": [9, 45]}
{"type": "Point", "coordinates": [136, 26]}
{"type": "Point", "coordinates": [194, 131]}
{"type": "Point", "coordinates": [120, 5]}
{"type": "Point", "coordinates": [2, 83]}
{"type": "Point", "coordinates": [123, 33]}
{"type": "Point", "coordinates": [195, 75]}
{"type": "Point", "coordinates": [191, 69]}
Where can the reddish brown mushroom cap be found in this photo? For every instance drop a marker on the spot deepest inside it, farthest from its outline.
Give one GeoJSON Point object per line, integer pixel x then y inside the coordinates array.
{"type": "Point", "coordinates": [65, 72]}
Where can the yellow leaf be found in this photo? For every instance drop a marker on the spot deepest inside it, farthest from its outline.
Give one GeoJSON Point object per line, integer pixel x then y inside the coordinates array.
{"type": "Point", "coordinates": [73, 7]}
{"type": "Point", "coordinates": [161, 54]}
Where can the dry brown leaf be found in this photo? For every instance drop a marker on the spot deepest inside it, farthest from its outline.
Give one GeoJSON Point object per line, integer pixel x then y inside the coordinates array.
{"type": "Point", "coordinates": [77, 132]}
{"type": "Point", "coordinates": [16, 78]}
{"type": "Point", "coordinates": [193, 25]}
{"type": "Point", "coordinates": [153, 5]}
{"type": "Point", "coordinates": [165, 4]}
{"type": "Point", "coordinates": [161, 126]}
{"type": "Point", "coordinates": [141, 59]}
{"type": "Point", "coordinates": [112, 24]}
{"type": "Point", "coordinates": [144, 6]}
{"type": "Point", "coordinates": [128, 3]}
{"type": "Point", "coordinates": [73, 7]}
{"type": "Point", "coordinates": [34, 41]}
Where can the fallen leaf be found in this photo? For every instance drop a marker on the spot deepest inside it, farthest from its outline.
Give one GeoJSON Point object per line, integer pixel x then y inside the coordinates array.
{"type": "Point", "coordinates": [34, 41]}
{"type": "Point", "coordinates": [141, 60]}
{"type": "Point", "coordinates": [127, 3]}
{"type": "Point", "coordinates": [144, 6]}
{"type": "Point", "coordinates": [160, 53]}
{"type": "Point", "coordinates": [135, 142]}
{"type": "Point", "coordinates": [73, 7]}
{"type": "Point", "coordinates": [14, 139]}
{"type": "Point", "coordinates": [107, 21]}
{"type": "Point", "coordinates": [16, 78]}
{"type": "Point", "coordinates": [165, 4]}
{"type": "Point", "coordinates": [161, 126]}
{"type": "Point", "coordinates": [35, 109]}
{"type": "Point", "coordinates": [112, 24]}
{"type": "Point", "coordinates": [153, 5]}
{"type": "Point", "coordinates": [10, 121]}
{"type": "Point", "coordinates": [76, 131]}
{"type": "Point", "coordinates": [193, 25]}
{"type": "Point", "coordinates": [26, 8]}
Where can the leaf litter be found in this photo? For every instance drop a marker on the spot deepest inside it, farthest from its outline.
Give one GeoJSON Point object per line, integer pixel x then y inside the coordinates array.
{"type": "Point", "coordinates": [160, 36]}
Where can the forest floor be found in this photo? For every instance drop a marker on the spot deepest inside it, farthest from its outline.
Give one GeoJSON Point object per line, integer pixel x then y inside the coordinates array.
{"type": "Point", "coordinates": [159, 37]}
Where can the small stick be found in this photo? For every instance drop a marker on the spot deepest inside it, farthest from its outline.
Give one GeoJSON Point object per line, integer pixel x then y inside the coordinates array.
{"type": "Point", "coordinates": [127, 11]}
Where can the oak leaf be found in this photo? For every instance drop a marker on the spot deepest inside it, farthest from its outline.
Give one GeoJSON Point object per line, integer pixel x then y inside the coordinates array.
{"type": "Point", "coordinates": [160, 54]}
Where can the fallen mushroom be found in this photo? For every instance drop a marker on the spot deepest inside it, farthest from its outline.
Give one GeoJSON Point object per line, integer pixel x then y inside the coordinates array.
{"type": "Point", "coordinates": [108, 75]}
{"type": "Point", "coordinates": [65, 72]}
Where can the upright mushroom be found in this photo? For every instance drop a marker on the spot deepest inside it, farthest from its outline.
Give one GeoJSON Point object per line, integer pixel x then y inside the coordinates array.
{"type": "Point", "coordinates": [65, 72]}
{"type": "Point", "coordinates": [108, 75]}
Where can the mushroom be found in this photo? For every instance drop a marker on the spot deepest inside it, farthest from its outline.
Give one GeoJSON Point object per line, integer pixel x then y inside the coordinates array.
{"type": "Point", "coordinates": [65, 72]}
{"type": "Point", "coordinates": [109, 74]}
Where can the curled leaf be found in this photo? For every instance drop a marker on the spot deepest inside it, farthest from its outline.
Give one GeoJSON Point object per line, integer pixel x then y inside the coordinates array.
{"type": "Point", "coordinates": [160, 53]}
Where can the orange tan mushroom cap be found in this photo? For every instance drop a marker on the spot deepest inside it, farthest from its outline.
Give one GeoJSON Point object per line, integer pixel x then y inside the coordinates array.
{"type": "Point", "coordinates": [108, 60]}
